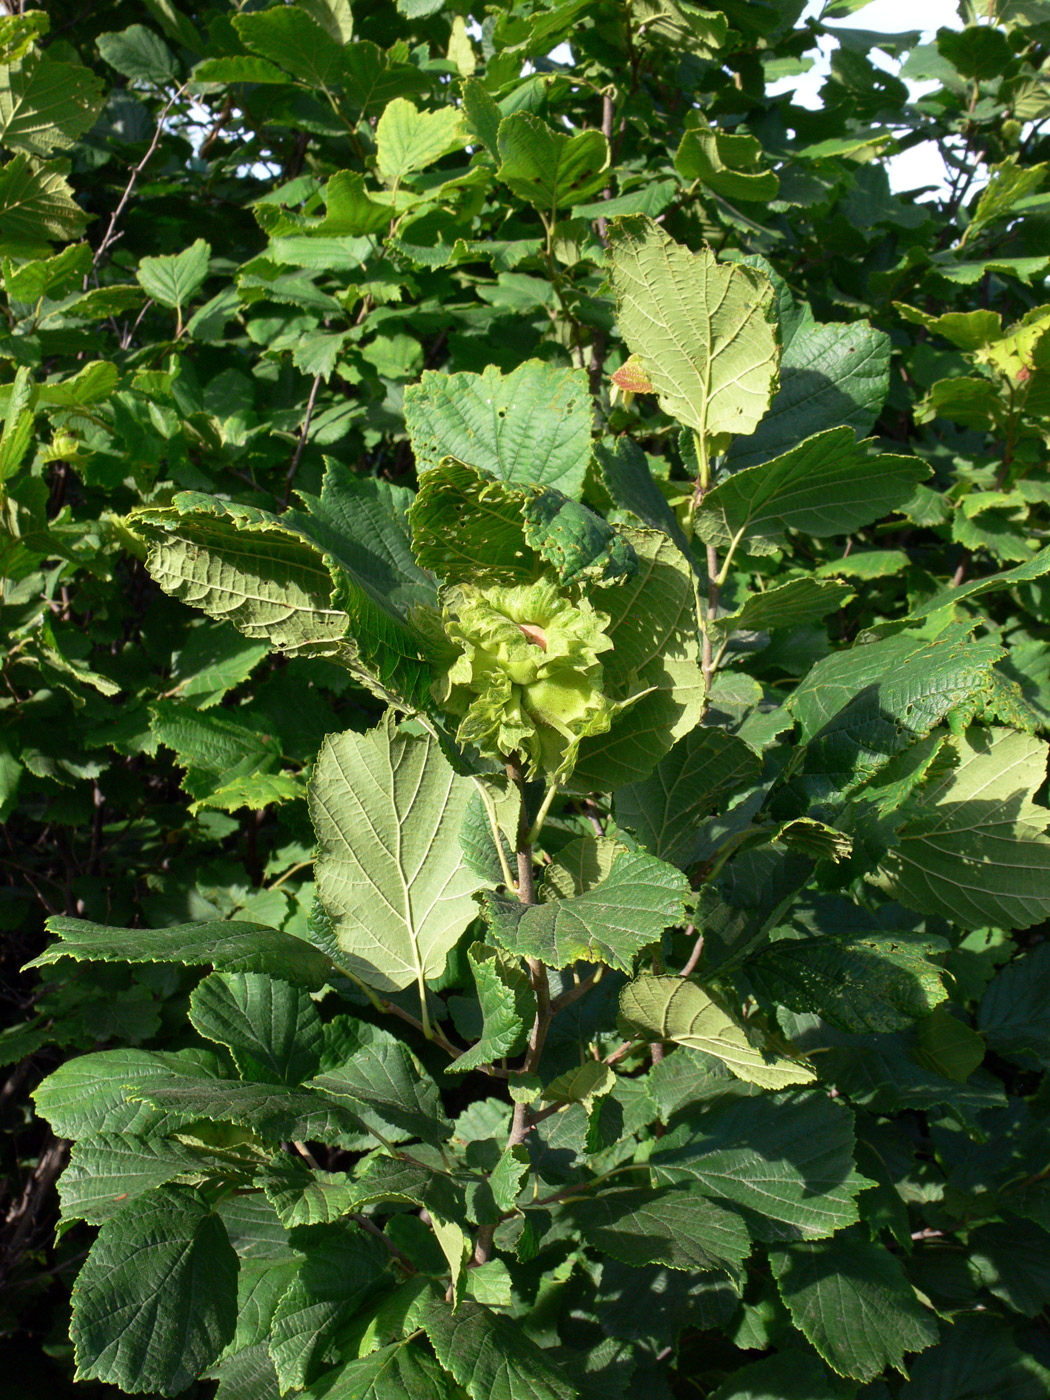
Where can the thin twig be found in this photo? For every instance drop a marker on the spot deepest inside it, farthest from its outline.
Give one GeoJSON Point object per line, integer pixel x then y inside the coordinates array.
{"type": "Point", "coordinates": [111, 235]}
{"type": "Point", "coordinates": [574, 993]}
{"type": "Point", "coordinates": [694, 956]}
{"type": "Point", "coordinates": [373, 1229]}
{"type": "Point", "coordinates": [522, 1121]}
{"type": "Point", "coordinates": [303, 433]}
{"type": "Point", "coordinates": [622, 1050]}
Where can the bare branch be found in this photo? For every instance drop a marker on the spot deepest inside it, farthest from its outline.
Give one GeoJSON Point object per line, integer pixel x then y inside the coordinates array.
{"type": "Point", "coordinates": [111, 234]}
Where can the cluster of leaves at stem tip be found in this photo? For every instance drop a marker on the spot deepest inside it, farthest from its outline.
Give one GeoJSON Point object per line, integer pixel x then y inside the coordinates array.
{"type": "Point", "coordinates": [523, 736]}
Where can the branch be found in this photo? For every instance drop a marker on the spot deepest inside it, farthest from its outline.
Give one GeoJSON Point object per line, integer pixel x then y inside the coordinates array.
{"type": "Point", "coordinates": [303, 434]}
{"type": "Point", "coordinates": [694, 956]}
{"type": "Point", "coordinates": [574, 993]}
{"type": "Point", "coordinates": [111, 235]}
{"type": "Point", "coordinates": [522, 1121]}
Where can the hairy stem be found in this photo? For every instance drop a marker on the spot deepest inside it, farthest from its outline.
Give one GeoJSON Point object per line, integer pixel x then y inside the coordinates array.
{"type": "Point", "coordinates": [522, 1121]}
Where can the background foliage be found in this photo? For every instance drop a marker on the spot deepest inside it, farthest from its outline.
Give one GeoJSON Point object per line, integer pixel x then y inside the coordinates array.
{"type": "Point", "coordinates": [241, 242]}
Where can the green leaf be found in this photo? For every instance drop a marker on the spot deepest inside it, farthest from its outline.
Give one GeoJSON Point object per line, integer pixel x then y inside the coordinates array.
{"type": "Point", "coordinates": [491, 1284]}
{"type": "Point", "coordinates": [50, 277]}
{"type": "Point", "coordinates": [342, 1270]}
{"type": "Point", "coordinates": [507, 1176]}
{"type": "Point", "coordinates": [361, 527]}
{"type": "Point", "coordinates": [585, 1084]}
{"type": "Point", "coordinates": [139, 54]}
{"type": "Point", "coordinates": [947, 1045]}
{"type": "Point", "coordinates": [889, 1072]}
{"type": "Point", "coordinates": [175, 280]}
{"type": "Point", "coordinates": [726, 164]}
{"type": "Point", "coordinates": [239, 69]}
{"type": "Point", "coordinates": [288, 36]}
{"type": "Point", "coordinates": [547, 169]}
{"type": "Point", "coordinates": [36, 206]}
{"type": "Point", "coordinates": [19, 33]}
{"type": "Point", "coordinates": [1011, 1258]}
{"type": "Point", "coordinates": [573, 541]}
{"type": "Point", "coordinates": [690, 782]}
{"type": "Point", "coordinates": [850, 1298]}
{"type": "Point", "coordinates": [467, 528]}
{"type": "Point", "coordinates": [491, 1356]}
{"type": "Point", "coordinates": [318, 353]}
{"type": "Point", "coordinates": [408, 140]}
{"type": "Point", "coordinates": [475, 835]}
{"type": "Point", "coordinates": [276, 1112]}
{"type": "Point", "coordinates": [212, 661]}
{"type": "Point", "coordinates": [247, 1374]}
{"type": "Point", "coordinates": [975, 1360]}
{"type": "Point", "coordinates": [1036, 567]}
{"type": "Point", "coordinates": [828, 485]}
{"type": "Point", "coordinates": [409, 1182]}
{"type": "Point", "coordinates": [787, 1158]}
{"type": "Point", "coordinates": [45, 105]}
{"type": "Point", "coordinates": [219, 751]}
{"type": "Point", "coordinates": [18, 424]}
{"type": "Point", "coordinates": [1014, 1015]}
{"type": "Point", "coordinates": [372, 79]}
{"type": "Point", "coordinates": [859, 707]}
{"type": "Point", "coordinates": [858, 982]}
{"type": "Point", "coordinates": [238, 565]}
{"type": "Point", "coordinates": [156, 1300]}
{"type": "Point", "coordinates": [334, 16]}
{"type": "Point", "coordinates": [92, 384]}
{"type": "Point", "coordinates": [704, 331]}
{"type": "Point", "coordinates": [974, 845]}
{"type": "Point", "coordinates": [109, 1169]}
{"type": "Point", "coordinates": [687, 29]}
{"type": "Point", "coordinates": [508, 1005]}
{"type": "Point", "coordinates": [393, 1372]}
{"type": "Point", "coordinates": [626, 476]}
{"type": "Point", "coordinates": [350, 209]}
{"type": "Point", "coordinates": [580, 866]}
{"type": "Point", "coordinates": [1009, 183]}
{"type": "Point", "coordinates": [227, 946]}
{"type": "Point", "coordinates": [612, 922]}
{"type": "Point", "coordinates": [676, 1009]}
{"type": "Point", "coordinates": [655, 649]}
{"type": "Point", "coordinates": [91, 1094]}
{"type": "Point", "coordinates": [302, 1196]}
{"type": "Point", "coordinates": [976, 52]}
{"type": "Point", "coordinates": [790, 604]}
{"type": "Point", "coordinates": [969, 330]}
{"type": "Point", "coordinates": [537, 34]}
{"type": "Point", "coordinates": [831, 375]}
{"type": "Point", "coordinates": [271, 1028]}
{"type": "Point", "coordinates": [399, 891]}
{"type": "Point", "coordinates": [387, 1079]}
{"type": "Point", "coordinates": [786, 1375]}
{"type": "Point", "coordinates": [675, 1226]}
{"type": "Point", "coordinates": [482, 115]}
{"type": "Point", "coordinates": [529, 427]}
